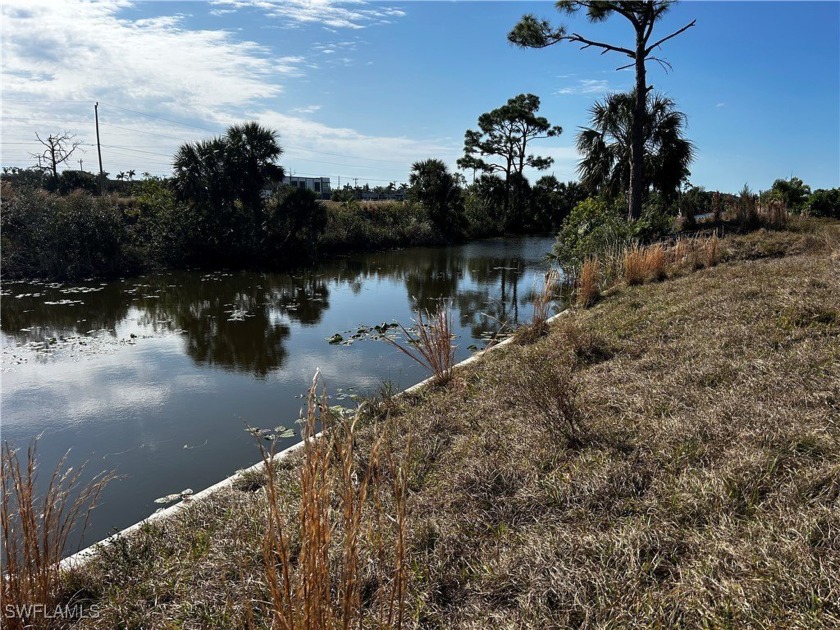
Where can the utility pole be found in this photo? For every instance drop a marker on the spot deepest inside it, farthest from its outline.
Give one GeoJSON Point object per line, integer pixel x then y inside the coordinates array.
{"type": "Point", "coordinates": [99, 150]}
{"type": "Point", "coordinates": [81, 168]}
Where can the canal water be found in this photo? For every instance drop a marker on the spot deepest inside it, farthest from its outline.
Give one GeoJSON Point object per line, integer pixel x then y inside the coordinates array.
{"type": "Point", "coordinates": [155, 377]}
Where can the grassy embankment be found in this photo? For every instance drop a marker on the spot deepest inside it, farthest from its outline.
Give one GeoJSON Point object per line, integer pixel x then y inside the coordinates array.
{"type": "Point", "coordinates": [701, 487]}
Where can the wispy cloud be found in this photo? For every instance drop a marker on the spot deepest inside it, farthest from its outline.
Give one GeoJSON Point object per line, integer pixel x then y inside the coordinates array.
{"type": "Point", "coordinates": [50, 51]}
{"type": "Point", "coordinates": [309, 109]}
{"type": "Point", "coordinates": [160, 84]}
{"type": "Point", "coordinates": [332, 14]}
{"type": "Point", "coordinates": [721, 105]}
{"type": "Point", "coordinates": [586, 86]}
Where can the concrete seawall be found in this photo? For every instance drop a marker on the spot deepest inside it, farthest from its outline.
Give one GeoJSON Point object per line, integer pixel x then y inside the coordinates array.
{"type": "Point", "coordinates": [81, 557]}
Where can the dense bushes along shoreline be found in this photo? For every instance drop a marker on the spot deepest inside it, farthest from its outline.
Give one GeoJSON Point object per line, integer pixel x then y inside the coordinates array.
{"type": "Point", "coordinates": [79, 235]}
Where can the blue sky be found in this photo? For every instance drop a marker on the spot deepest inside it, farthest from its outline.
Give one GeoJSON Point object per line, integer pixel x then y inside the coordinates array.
{"type": "Point", "coordinates": [361, 89]}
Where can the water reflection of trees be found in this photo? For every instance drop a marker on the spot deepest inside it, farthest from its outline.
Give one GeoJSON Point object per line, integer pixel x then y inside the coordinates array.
{"type": "Point", "coordinates": [242, 321]}
{"type": "Point", "coordinates": [491, 299]}
{"type": "Point", "coordinates": [236, 321]}
{"type": "Point", "coordinates": [239, 321]}
{"type": "Point", "coordinates": [31, 319]}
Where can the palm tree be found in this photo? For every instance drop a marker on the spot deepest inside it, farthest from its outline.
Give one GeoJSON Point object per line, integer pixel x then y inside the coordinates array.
{"type": "Point", "coordinates": [233, 167]}
{"type": "Point", "coordinates": [251, 161]}
{"type": "Point", "coordinates": [435, 187]}
{"type": "Point", "coordinates": [606, 146]}
{"type": "Point", "coordinates": [200, 175]}
{"type": "Point", "coordinates": [221, 180]}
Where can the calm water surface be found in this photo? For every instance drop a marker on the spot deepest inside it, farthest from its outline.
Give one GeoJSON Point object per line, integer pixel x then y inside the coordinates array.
{"type": "Point", "coordinates": [154, 377]}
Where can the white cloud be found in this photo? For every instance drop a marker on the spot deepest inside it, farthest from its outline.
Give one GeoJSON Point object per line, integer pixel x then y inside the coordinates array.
{"type": "Point", "coordinates": [82, 50]}
{"type": "Point", "coordinates": [353, 14]}
{"type": "Point", "coordinates": [313, 148]}
{"type": "Point", "coordinates": [721, 105]}
{"type": "Point", "coordinates": [309, 109]}
{"type": "Point", "coordinates": [61, 57]}
{"type": "Point", "coordinates": [586, 86]}
{"type": "Point", "coordinates": [160, 84]}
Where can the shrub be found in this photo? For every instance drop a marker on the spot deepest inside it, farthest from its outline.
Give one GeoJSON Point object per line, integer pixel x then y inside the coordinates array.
{"type": "Point", "coordinates": [293, 222]}
{"type": "Point", "coordinates": [543, 382]}
{"type": "Point", "coordinates": [593, 228]}
{"type": "Point", "coordinates": [375, 225]}
{"type": "Point", "coordinates": [64, 237]}
{"type": "Point", "coordinates": [824, 203]}
{"type": "Point", "coordinates": [656, 221]}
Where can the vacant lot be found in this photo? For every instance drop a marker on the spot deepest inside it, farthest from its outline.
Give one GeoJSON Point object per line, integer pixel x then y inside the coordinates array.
{"type": "Point", "coordinates": [667, 458]}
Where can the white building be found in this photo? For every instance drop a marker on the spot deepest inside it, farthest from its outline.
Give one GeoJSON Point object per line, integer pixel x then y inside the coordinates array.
{"type": "Point", "coordinates": [319, 185]}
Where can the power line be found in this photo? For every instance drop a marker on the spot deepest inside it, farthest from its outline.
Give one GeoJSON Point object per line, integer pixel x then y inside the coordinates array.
{"type": "Point", "coordinates": [175, 122]}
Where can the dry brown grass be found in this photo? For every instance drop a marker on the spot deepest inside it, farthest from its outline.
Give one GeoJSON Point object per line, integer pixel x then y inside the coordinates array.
{"type": "Point", "coordinates": [543, 383]}
{"type": "Point", "coordinates": [310, 589]}
{"type": "Point", "coordinates": [432, 345]}
{"type": "Point", "coordinates": [542, 299]}
{"type": "Point", "coordinates": [589, 282]}
{"type": "Point", "coordinates": [775, 214]}
{"type": "Point", "coordinates": [644, 263]}
{"type": "Point", "coordinates": [703, 491]}
{"type": "Point", "coordinates": [36, 531]}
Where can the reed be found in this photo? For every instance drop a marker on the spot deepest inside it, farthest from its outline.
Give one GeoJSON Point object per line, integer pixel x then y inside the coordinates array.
{"type": "Point", "coordinates": [541, 300]}
{"type": "Point", "coordinates": [711, 251]}
{"type": "Point", "coordinates": [36, 531]}
{"type": "Point", "coordinates": [312, 561]}
{"type": "Point", "coordinates": [589, 282]}
{"type": "Point", "coordinates": [432, 345]}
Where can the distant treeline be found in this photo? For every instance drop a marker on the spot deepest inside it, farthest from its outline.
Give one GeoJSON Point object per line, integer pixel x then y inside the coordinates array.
{"type": "Point", "coordinates": [72, 232]}
{"type": "Point", "coordinates": [223, 208]}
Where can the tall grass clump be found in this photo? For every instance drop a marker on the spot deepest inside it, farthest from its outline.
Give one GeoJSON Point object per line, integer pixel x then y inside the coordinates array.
{"type": "Point", "coordinates": [543, 382]}
{"type": "Point", "coordinates": [695, 252]}
{"type": "Point", "coordinates": [541, 301]}
{"type": "Point", "coordinates": [644, 263]}
{"type": "Point", "coordinates": [588, 285]}
{"type": "Point", "coordinates": [432, 345]}
{"type": "Point", "coordinates": [315, 562]}
{"type": "Point", "coordinates": [775, 214]}
{"type": "Point", "coordinates": [36, 531]}
{"type": "Point", "coordinates": [711, 251]}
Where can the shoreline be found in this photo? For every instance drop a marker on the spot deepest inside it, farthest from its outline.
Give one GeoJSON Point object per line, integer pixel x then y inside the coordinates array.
{"type": "Point", "coordinates": [81, 557]}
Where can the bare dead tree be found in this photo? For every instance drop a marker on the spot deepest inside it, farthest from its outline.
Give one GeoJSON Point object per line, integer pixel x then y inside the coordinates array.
{"type": "Point", "coordinates": [57, 149]}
